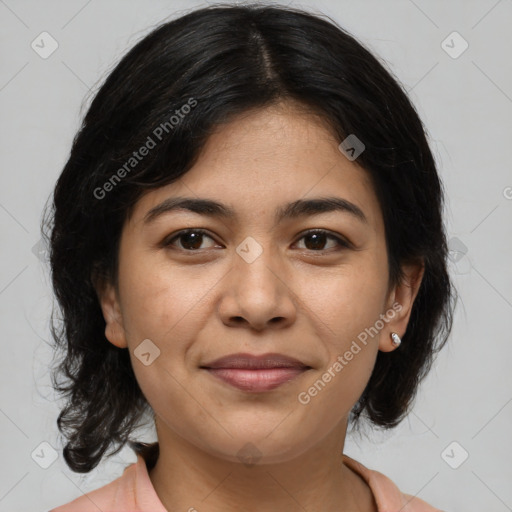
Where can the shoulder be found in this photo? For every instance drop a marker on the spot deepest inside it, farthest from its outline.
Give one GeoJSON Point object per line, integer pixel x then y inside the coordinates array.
{"type": "Point", "coordinates": [386, 494]}
{"type": "Point", "coordinates": [116, 494]}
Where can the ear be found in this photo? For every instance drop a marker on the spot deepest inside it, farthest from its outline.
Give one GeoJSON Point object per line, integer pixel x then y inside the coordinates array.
{"type": "Point", "coordinates": [400, 301]}
{"type": "Point", "coordinates": [109, 302]}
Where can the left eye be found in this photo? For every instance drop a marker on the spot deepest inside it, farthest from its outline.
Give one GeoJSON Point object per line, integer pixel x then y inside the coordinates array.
{"type": "Point", "coordinates": [317, 239]}
{"type": "Point", "coordinates": [191, 240]}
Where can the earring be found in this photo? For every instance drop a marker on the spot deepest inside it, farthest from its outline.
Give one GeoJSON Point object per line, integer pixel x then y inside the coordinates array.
{"type": "Point", "coordinates": [395, 339]}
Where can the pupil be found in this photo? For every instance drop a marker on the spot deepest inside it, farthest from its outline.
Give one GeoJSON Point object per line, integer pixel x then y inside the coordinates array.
{"type": "Point", "coordinates": [316, 237]}
{"type": "Point", "coordinates": [192, 239]}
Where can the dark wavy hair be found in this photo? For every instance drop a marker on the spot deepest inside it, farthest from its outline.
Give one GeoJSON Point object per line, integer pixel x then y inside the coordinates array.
{"type": "Point", "coordinates": [230, 59]}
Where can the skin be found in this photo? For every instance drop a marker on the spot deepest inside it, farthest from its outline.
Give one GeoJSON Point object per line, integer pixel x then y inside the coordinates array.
{"type": "Point", "coordinates": [296, 298]}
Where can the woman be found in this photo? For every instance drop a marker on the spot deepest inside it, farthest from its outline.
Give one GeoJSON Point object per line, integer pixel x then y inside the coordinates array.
{"type": "Point", "coordinates": [246, 241]}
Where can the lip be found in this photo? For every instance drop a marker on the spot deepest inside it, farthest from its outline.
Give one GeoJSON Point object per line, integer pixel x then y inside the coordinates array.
{"type": "Point", "coordinates": [255, 362]}
{"type": "Point", "coordinates": [256, 373]}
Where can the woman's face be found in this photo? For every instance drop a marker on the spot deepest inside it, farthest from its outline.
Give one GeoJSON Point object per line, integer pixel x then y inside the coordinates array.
{"type": "Point", "coordinates": [256, 283]}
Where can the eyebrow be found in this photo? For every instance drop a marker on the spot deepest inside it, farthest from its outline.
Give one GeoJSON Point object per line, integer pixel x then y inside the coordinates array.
{"type": "Point", "coordinates": [295, 209]}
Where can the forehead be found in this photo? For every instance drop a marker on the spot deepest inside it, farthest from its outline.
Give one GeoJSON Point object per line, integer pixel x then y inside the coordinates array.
{"type": "Point", "coordinates": [266, 158]}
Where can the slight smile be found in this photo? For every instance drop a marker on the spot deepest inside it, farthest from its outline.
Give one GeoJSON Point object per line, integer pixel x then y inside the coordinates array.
{"type": "Point", "coordinates": [256, 374]}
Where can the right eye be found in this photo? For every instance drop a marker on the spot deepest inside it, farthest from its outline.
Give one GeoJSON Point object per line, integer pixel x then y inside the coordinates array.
{"type": "Point", "coordinates": [190, 239]}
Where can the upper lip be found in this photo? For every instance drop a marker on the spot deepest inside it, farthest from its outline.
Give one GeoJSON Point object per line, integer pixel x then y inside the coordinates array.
{"type": "Point", "coordinates": [254, 362]}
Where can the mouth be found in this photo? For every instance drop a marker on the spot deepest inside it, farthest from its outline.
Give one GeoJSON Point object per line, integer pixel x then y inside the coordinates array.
{"type": "Point", "coordinates": [256, 373]}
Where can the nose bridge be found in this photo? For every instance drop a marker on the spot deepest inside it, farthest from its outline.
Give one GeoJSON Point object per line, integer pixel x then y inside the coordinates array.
{"type": "Point", "coordinates": [255, 267]}
{"type": "Point", "coordinates": [256, 292]}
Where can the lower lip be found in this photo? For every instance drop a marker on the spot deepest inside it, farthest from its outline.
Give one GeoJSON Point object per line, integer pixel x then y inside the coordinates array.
{"type": "Point", "coordinates": [256, 380]}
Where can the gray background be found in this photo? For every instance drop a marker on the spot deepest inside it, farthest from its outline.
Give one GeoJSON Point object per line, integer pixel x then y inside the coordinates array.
{"type": "Point", "coordinates": [466, 105]}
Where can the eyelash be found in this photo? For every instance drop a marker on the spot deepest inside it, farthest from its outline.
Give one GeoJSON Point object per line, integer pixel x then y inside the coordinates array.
{"type": "Point", "coordinates": [342, 244]}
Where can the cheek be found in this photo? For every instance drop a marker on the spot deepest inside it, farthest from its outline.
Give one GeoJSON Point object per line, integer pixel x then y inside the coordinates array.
{"type": "Point", "coordinates": [330, 398]}
{"type": "Point", "coordinates": [348, 304]}
{"type": "Point", "coordinates": [346, 301]}
{"type": "Point", "coordinates": [160, 301]}
{"type": "Point", "coordinates": [349, 308]}
{"type": "Point", "coordinates": [164, 305]}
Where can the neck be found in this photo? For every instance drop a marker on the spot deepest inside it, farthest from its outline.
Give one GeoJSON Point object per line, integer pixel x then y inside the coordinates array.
{"type": "Point", "coordinates": [187, 478]}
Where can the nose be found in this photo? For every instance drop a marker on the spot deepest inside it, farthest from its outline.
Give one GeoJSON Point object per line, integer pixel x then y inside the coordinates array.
{"type": "Point", "coordinates": [258, 294]}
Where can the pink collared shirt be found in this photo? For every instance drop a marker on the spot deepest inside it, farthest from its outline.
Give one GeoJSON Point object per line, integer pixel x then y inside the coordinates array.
{"type": "Point", "coordinates": [134, 492]}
